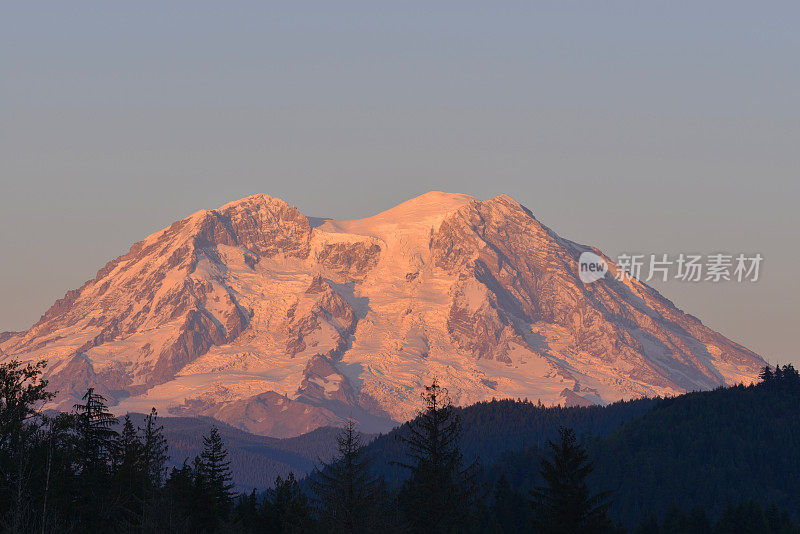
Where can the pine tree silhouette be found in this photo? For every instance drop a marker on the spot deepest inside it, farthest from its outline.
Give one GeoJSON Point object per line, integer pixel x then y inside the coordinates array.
{"type": "Point", "coordinates": [128, 474]}
{"type": "Point", "coordinates": [286, 508]}
{"type": "Point", "coordinates": [127, 454]}
{"type": "Point", "coordinates": [154, 450]}
{"type": "Point", "coordinates": [94, 428]}
{"type": "Point", "coordinates": [216, 473]}
{"type": "Point", "coordinates": [440, 491]}
{"type": "Point", "coordinates": [183, 498]}
{"type": "Point", "coordinates": [96, 448]}
{"type": "Point", "coordinates": [766, 374]}
{"type": "Point", "coordinates": [565, 505]}
{"type": "Point", "coordinates": [344, 488]}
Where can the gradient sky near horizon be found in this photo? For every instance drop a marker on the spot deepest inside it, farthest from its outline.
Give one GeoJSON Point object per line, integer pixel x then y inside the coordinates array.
{"type": "Point", "coordinates": [640, 127]}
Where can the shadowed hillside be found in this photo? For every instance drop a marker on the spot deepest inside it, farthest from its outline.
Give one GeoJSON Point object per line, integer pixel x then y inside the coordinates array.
{"type": "Point", "coordinates": [255, 460]}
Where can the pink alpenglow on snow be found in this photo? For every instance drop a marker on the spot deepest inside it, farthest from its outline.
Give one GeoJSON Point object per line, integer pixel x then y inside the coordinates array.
{"type": "Point", "coordinates": [278, 323]}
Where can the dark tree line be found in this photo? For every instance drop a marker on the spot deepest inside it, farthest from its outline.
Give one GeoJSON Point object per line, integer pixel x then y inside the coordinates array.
{"type": "Point", "coordinates": [705, 449]}
{"type": "Point", "coordinates": [76, 472]}
{"type": "Point", "coordinates": [565, 504]}
{"type": "Point", "coordinates": [345, 495]}
{"type": "Point", "coordinates": [491, 428]}
{"type": "Point", "coordinates": [442, 493]}
{"type": "Point", "coordinates": [711, 451]}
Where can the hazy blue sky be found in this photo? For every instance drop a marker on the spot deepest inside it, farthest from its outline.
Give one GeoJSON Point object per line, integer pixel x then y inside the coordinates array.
{"type": "Point", "coordinates": [666, 127]}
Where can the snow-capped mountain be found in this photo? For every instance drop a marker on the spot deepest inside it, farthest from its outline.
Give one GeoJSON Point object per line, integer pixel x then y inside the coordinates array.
{"type": "Point", "coordinates": [278, 323]}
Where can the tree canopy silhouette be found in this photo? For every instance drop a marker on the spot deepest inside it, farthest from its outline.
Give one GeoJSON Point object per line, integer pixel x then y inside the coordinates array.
{"type": "Point", "coordinates": [441, 490]}
{"type": "Point", "coordinates": [346, 491]}
{"type": "Point", "coordinates": [565, 504]}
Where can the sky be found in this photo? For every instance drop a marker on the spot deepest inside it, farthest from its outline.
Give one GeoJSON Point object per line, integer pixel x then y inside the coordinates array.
{"type": "Point", "coordinates": [636, 127]}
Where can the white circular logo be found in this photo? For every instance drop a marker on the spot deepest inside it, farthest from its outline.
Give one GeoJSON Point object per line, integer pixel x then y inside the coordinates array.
{"type": "Point", "coordinates": [591, 267]}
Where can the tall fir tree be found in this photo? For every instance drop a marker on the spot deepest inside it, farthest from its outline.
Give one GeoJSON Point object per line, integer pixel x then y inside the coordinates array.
{"type": "Point", "coordinates": [155, 451]}
{"type": "Point", "coordinates": [440, 491]}
{"type": "Point", "coordinates": [345, 490]}
{"type": "Point", "coordinates": [286, 508]}
{"type": "Point", "coordinates": [94, 426]}
{"type": "Point", "coordinates": [565, 504]}
{"type": "Point", "coordinates": [127, 453]}
{"type": "Point", "coordinates": [766, 374]}
{"type": "Point", "coordinates": [128, 474]}
{"type": "Point", "coordinates": [216, 473]}
{"type": "Point", "coordinates": [96, 443]}
{"type": "Point", "coordinates": [178, 493]}
{"type": "Point", "coordinates": [246, 512]}
{"type": "Point", "coordinates": [154, 456]}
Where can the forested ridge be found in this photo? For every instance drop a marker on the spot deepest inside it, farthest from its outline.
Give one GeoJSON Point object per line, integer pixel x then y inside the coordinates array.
{"type": "Point", "coordinates": [722, 461]}
{"type": "Point", "coordinates": [708, 450]}
{"type": "Point", "coordinates": [255, 460]}
{"type": "Point", "coordinates": [490, 429]}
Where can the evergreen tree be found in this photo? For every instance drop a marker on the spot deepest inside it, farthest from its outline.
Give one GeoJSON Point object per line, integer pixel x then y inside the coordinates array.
{"type": "Point", "coordinates": [154, 450]}
{"type": "Point", "coordinates": [154, 456]}
{"type": "Point", "coordinates": [648, 525]}
{"type": "Point", "coordinates": [440, 491]}
{"type": "Point", "coordinates": [766, 374]}
{"type": "Point", "coordinates": [128, 455]}
{"type": "Point", "coordinates": [129, 473]}
{"type": "Point", "coordinates": [214, 467]}
{"type": "Point", "coordinates": [96, 444]}
{"type": "Point", "coordinates": [675, 520]}
{"type": "Point", "coordinates": [345, 490]}
{"type": "Point", "coordinates": [94, 423]}
{"type": "Point", "coordinates": [742, 518]}
{"type": "Point", "coordinates": [183, 498]}
{"type": "Point", "coordinates": [778, 374]}
{"type": "Point", "coordinates": [22, 391]}
{"type": "Point", "coordinates": [790, 375]}
{"type": "Point", "coordinates": [286, 508]}
{"type": "Point", "coordinates": [697, 521]}
{"type": "Point", "coordinates": [565, 504]}
{"type": "Point", "coordinates": [57, 458]}
{"type": "Point", "coordinates": [779, 521]}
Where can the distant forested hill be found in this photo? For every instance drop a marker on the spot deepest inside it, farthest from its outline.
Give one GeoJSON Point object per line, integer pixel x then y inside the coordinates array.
{"type": "Point", "coordinates": [491, 429]}
{"type": "Point", "coordinates": [701, 450]}
{"type": "Point", "coordinates": [704, 449]}
{"type": "Point", "coordinates": [255, 460]}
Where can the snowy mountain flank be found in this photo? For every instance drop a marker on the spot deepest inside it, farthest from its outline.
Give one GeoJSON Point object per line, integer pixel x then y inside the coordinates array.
{"type": "Point", "coordinates": [278, 323]}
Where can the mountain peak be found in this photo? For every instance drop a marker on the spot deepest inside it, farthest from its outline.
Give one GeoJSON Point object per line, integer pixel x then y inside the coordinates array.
{"type": "Point", "coordinates": [414, 216]}
{"type": "Point", "coordinates": [252, 200]}
{"type": "Point", "coordinates": [431, 204]}
{"type": "Point", "coordinates": [441, 198]}
{"type": "Point", "coordinates": [251, 314]}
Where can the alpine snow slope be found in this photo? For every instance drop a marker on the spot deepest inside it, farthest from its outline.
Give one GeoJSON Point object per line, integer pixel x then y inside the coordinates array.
{"type": "Point", "coordinates": [279, 323]}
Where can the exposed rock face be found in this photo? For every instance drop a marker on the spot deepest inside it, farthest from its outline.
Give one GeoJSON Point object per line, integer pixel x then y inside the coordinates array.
{"type": "Point", "coordinates": [351, 260]}
{"type": "Point", "coordinates": [248, 314]}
